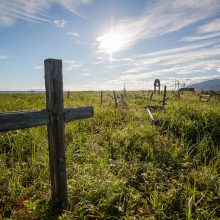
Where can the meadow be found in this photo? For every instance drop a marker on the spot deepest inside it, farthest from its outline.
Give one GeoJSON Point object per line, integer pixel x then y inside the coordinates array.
{"type": "Point", "coordinates": [120, 165]}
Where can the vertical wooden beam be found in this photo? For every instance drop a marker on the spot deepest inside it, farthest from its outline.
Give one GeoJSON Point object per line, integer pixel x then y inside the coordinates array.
{"type": "Point", "coordinates": [68, 94]}
{"type": "Point", "coordinates": [101, 97]}
{"type": "Point", "coordinates": [54, 102]}
{"type": "Point", "coordinates": [164, 95]}
{"type": "Point", "coordinates": [115, 99]}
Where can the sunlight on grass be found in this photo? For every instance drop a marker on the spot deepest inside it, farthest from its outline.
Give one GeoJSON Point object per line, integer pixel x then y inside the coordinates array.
{"type": "Point", "coordinates": [120, 165]}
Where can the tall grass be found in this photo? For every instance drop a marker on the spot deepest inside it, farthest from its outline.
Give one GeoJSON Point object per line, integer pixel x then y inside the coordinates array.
{"type": "Point", "coordinates": [120, 165]}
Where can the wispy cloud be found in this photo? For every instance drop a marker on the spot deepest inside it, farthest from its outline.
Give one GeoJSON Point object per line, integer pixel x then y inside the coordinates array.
{"type": "Point", "coordinates": [3, 57]}
{"type": "Point", "coordinates": [212, 26]}
{"type": "Point", "coordinates": [187, 54]}
{"type": "Point", "coordinates": [195, 80]}
{"type": "Point", "coordinates": [36, 11]}
{"type": "Point", "coordinates": [73, 33]}
{"type": "Point", "coordinates": [86, 74]}
{"type": "Point", "coordinates": [60, 23]}
{"type": "Point", "coordinates": [187, 68]}
{"type": "Point", "coordinates": [158, 19]}
{"type": "Point", "coordinates": [38, 67]}
{"type": "Point", "coordinates": [80, 42]}
{"type": "Point", "coordinates": [71, 64]}
{"type": "Point", "coordinates": [178, 49]}
{"type": "Point", "coordinates": [203, 37]}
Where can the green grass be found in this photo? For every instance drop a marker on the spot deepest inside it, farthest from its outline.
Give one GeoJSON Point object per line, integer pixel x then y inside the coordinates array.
{"type": "Point", "coordinates": [119, 164]}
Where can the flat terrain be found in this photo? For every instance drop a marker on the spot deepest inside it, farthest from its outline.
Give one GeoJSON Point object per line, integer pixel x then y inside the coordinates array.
{"type": "Point", "coordinates": [120, 165]}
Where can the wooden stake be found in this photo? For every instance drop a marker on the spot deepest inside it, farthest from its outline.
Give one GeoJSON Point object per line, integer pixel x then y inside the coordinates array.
{"type": "Point", "coordinates": [164, 95]}
{"type": "Point", "coordinates": [151, 95]}
{"type": "Point", "coordinates": [54, 102]}
{"type": "Point", "coordinates": [115, 99]}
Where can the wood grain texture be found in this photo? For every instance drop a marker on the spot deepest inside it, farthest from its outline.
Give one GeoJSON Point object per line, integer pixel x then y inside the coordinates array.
{"type": "Point", "coordinates": [23, 119]}
{"type": "Point", "coordinates": [71, 114]}
{"type": "Point", "coordinates": [33, 118]}
{"type": "Point", "coordinates": [54, 100]}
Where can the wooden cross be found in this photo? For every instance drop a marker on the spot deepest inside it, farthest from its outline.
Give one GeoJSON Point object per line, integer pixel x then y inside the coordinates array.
{"type": "Point", "coordinates": [54, 117]}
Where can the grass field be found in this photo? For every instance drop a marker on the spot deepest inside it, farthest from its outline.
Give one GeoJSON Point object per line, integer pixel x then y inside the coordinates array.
{"type": "Point", "coordinates": [119, 164]}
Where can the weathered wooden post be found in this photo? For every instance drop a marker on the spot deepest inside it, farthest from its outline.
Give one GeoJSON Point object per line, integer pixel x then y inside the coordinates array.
{"type": "Point", "coordinates": [124, 91]}
{"type": "Point", "coordinates": [122, 98]}
{"type": "Point", "coordinates": [151, 95]}
{"type": "Point", "coordinates": [68, 95]}
{"type": "Point", "coordinates": [101, 97]}
{"type": "Point", "coordinates": [54, 116]}
{"type": "Point", "coordinates": [54, 103]}
{"type": "Point", "coordinates": [164, 95]}
{"type": "Point", "coordinates": [115, 99]}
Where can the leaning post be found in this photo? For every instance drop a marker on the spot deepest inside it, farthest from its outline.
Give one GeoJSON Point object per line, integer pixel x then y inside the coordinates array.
{"type": "Point", "coordinates": [115, 98]}
{"type": "Point", "coordinates": [151, 95]}
{"type": "Point", "coordinates": [164, 95]}
{"type": "Point", "coordinates": [54, 103]}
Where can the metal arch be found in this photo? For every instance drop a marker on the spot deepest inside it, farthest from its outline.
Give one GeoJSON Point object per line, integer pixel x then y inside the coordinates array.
{"type": "Point", "coordinates": [157, 83]}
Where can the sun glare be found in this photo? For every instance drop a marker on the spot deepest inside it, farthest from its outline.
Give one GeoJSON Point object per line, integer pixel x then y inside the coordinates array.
{"type": "Point", "coordinates": [110, 42]}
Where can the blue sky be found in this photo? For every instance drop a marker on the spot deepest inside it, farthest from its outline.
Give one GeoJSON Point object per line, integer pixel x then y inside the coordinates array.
{"type": "Point", "coordinates": [105, 44]}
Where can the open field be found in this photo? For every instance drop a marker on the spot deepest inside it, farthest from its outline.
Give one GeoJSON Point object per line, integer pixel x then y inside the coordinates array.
{"type": "Point", "coordinates": [119, 164]}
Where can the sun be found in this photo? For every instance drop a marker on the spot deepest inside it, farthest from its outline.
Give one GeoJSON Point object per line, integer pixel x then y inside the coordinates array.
{"type": "Point", "coordinates": [110, 42]}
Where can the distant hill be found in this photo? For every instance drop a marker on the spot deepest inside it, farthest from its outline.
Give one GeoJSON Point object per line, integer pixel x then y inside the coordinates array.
{"type": "Point", "coordinates": [207, 85]}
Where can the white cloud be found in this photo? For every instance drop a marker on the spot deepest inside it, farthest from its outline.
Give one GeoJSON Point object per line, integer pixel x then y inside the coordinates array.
{"type": "Point", "coordinates": [38, 67]}
{"type": "Point", "coordinates": [187, 68]}
{"type": "Point", "coordinates": [195, 80]}
{"type": "Point", "coordinates": [195, 53]}
{"type": "Point", "coordinates": [212, 26]}
{"type": "Point", "coordinates": [71, 64]}
{"type": "Point", "coordinates": [178, 49]}
{"type": "Point", "coordinates": [195, 38]}
{"type": "Point", "coordinates": [86, 74]}
{"type": "Point", "coordinates": [80, 42]}
{"type": "Point", "coordinates": [192, 56]}
{"type": "Point", "coordinates": [74, 34]}
{"type": "Point", "coordinates": [69, 61]}
{"type": "Point", "coordinates": [138, 82]}
{"type": "Point", "coordinates": [117, 81]}
{"type": "Point", "coordinates": [35, 10]}
{"type": "Point", "coordinates": [71, 67]}
{"type": "Point", "coordinates": [159, 18]}
{"type": "Point", "coordinates": [60, 23]}
{"type": "Point", "coordinates": [3, 57]}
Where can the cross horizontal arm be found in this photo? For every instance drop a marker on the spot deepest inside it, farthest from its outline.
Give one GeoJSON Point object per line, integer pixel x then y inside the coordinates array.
{"type": "Point", "coordinates": [33, 118]}
{"type": "Point", "coordinates": [76, 113]}
{"type": "Point", "coordinates": [23, 119]}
